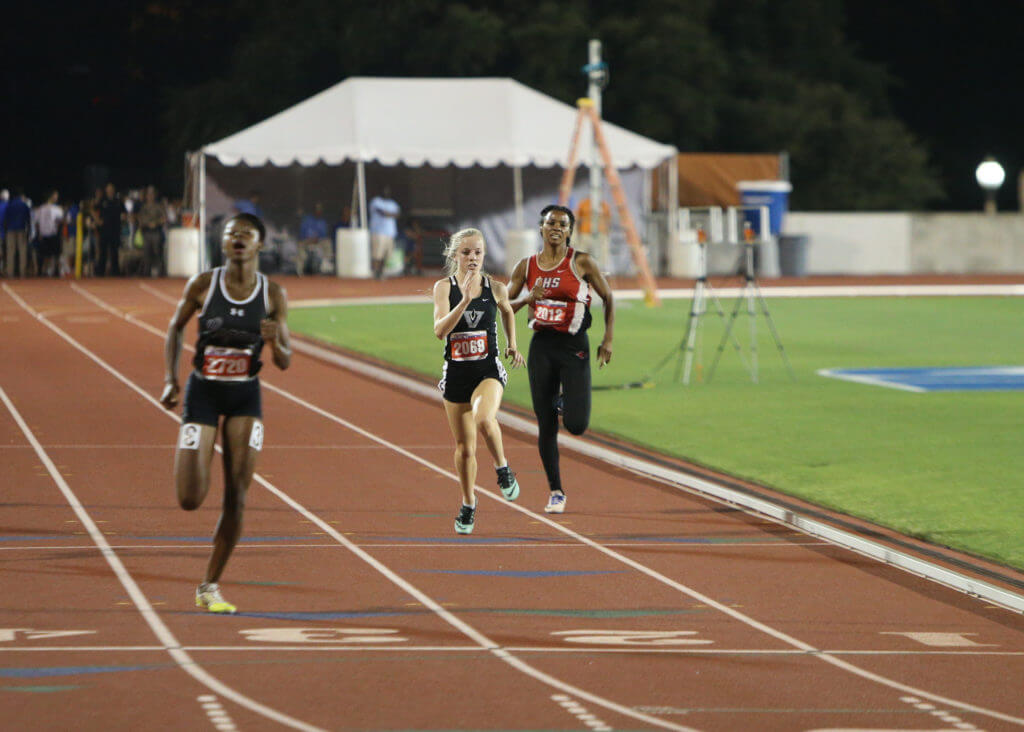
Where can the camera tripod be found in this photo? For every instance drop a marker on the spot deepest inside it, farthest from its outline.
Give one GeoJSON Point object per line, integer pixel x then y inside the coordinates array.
{"type": "Point", "coordinates": [750, 293]}
{"type": "Point", "coordinates": [702, 293]}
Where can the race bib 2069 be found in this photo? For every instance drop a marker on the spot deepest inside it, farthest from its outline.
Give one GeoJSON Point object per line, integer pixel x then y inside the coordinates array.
{"type": "Point", "coordinates": [469, 346]}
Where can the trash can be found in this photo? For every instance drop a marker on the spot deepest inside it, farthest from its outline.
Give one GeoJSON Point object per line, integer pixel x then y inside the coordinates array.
{"type": "Point", "coordinates": [793, 255]}
{"type": "Point", "coordinates": [771, 193]}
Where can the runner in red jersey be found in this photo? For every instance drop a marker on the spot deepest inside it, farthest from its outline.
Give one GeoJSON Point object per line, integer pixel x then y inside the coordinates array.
{"type": "Point", "coordinates": [560, 281]}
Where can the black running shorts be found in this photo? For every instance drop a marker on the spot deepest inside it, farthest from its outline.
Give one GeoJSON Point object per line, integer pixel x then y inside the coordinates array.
{"type": "Point", "coordinates": [206, 400]}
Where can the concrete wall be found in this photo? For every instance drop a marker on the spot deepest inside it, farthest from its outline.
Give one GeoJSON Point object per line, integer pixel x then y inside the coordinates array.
{"type": "Point", "coordinates": [910, 243]}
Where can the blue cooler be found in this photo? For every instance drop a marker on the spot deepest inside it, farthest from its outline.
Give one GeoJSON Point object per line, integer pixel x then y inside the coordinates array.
{"type": "Point", "coordinates": [771, 193]}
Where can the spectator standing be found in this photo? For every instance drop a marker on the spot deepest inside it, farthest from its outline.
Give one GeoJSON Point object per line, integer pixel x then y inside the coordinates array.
{"type": "Point", "coordinates": [5, 196]}
{"type": "Point", "coordinates": [384, 213]}
{"type": "Point", "coordinates": [313, 242]}
{"type": "Point", "coordinates": [151, 218]}
{"type": "Point", "coordinates": [70, 232]}
{"type": "Point", "coordinates": [16, 224]}
{"type": "Point", "coordinates": [48, 219]}
{"type": "Point", "coordinates": [110, 215]}
{"type": "Point", "coordinates": [250, 205]}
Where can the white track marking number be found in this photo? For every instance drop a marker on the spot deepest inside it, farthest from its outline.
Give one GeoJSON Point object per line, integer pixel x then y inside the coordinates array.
{"type": "Point", "coordinates": [8, 635]}
{"type": "Point", "coordinates": [942, 640]}
{"type": "Point", "coordinates": [633, 637]}
{"type": "Point", "coordinates": [322, 635]}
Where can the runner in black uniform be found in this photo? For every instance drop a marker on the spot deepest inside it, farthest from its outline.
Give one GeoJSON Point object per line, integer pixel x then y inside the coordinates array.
{"type": "Point", "coordinates": [465, 305]}
{"type": "Point", "coordinates": [560, 281]}
{"type": "Point", "coordinates": [240, 311]}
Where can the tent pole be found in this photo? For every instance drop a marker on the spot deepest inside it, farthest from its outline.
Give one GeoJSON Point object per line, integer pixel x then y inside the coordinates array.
{"type": "Point", "coordinates": [203, 263]}
{"type": "Point", "coordinates": [361, 176]}
{"type": "Point", "coordinates": [673, 200]}
{"type": "Point", "coordinates": [517, 182]}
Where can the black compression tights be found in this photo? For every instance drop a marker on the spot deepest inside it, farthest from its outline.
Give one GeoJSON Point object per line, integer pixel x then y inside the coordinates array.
{"type": "Point", "coordinates": [558, 360]}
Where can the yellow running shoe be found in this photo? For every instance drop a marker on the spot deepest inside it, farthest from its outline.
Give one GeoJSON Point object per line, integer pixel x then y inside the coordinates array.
{"type": "Point", "coordinates": [208, 596]}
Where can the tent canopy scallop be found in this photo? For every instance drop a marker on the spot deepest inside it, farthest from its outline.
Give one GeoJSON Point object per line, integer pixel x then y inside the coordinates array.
{"type": "Point", "coordinates": [415, 122]}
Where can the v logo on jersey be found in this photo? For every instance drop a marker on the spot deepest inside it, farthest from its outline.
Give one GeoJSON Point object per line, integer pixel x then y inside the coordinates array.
{"type": "Point", "coordinates": [473, 317]}
{"type": "Point", "coordinates": [239, 312]}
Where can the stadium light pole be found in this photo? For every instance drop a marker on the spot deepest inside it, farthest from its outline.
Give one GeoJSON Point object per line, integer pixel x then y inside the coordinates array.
{"type": "Point", "coordinates": [597, 79]}
{"type": "Point", "coordinates": [990, 176]}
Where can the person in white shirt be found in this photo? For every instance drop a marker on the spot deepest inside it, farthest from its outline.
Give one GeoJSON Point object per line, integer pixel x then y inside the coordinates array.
{"type": "Point", "coordinates": [383, 229]}
{"type": "Point", "coordinates": [48, 219]}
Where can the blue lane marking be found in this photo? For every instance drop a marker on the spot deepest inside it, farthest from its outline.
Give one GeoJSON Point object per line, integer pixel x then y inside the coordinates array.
{"type": "Point", "coordinates": [970, 378]}
{"type": "Point", "coordinates": [328, 615]}
{"type": "Point", "coordinates": [207, 539]}
{"type": "Point", "coordinates": [47, 671]}
{"type": "Point", "coordinates": [500, 573]}
{"type": "Point", "coordinates": [459, 540]}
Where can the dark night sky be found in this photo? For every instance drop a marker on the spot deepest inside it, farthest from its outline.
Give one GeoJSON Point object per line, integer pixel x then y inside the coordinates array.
{"type": "Point", "coordinates": [73, 108]}
{"type": "Point", "coordinates": [956, 65]}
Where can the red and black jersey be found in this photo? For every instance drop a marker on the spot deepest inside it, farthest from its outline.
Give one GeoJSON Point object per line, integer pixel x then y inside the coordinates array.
{"type": "Point", "coordinates": [565, 307]}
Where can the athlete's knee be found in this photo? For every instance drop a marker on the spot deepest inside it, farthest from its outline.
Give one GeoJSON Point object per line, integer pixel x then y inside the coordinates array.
{"type": "Point", "coordinates": [575, 425]}
{"type": "Point", "coordinates": [465, 451]}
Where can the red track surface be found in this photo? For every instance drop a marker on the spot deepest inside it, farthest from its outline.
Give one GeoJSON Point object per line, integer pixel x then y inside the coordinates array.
{"type": "Point", "coordinates": [643, 607]}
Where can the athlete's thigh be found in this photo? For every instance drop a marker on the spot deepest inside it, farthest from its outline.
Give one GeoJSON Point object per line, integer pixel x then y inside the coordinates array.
{"type": "Point", "coordinates": [576, 388]}
{"type": "Point", "coordinates": [543, 374]}
{"type": "Point", "coordinates": [487, 398]}
{"type": "Point", "coordinates": [460, 421]}
{"type": "Point", "coordinates": [192, 462]}
{"type": "Point", "coordinates": [243, 442]}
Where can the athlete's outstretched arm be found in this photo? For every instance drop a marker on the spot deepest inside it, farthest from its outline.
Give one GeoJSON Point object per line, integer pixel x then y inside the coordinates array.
{"type": "Point", "coordinates": [588, 268]}
{"type": "Point", "coordinates": [508, 321]}
{"type": "Point", "coordinates": [191, 301]}
{"type": "Point", "coordinates": [274, 329]}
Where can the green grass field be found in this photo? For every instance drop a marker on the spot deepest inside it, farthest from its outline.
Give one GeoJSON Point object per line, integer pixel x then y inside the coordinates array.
{"type": "Point", "coordinates": [939, 466]}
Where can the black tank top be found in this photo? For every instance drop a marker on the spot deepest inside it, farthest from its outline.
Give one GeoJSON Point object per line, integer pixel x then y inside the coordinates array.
{"type": "Point", "coordinates": [475, 336]}
{"type": "Point", "coordinates": [229, 342]}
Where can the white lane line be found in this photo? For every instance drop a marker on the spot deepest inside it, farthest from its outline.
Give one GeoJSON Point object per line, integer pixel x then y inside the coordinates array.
{"type": "Point", "coordinates": [678, 293]}
{"type": "Point", "coordinates": [142, 604]}
{"type": "Point", "coordinates": [580, 712]}
{"type": "Point", "coordinates": [741, 617]}
{"type": "Point", "coordinates": [870, 380]}
{"type": "Point", "coordinates": [139, 599]}
{"type": "Point", "coordinates": [413, 545]}
{"type": "Point", "coordinates": [468, 630]}
{"type": "Point", "coordinates": [216, 712]}
{"type": "Point", "coordinates": [541, 650]}
{"type": "Point", "coordinates": [706, 489]}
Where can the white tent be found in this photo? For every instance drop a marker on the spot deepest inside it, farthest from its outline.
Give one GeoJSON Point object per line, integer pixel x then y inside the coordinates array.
{"type": "Point", "coordinates": [464, 123]}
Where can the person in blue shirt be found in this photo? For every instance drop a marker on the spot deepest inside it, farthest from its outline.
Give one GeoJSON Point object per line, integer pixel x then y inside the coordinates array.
{"type": "Point", "coordinates": [17, 222]}
{"type": "Point", "coordinates": [384, 213]}
{"type": "Point", "coordinates": [5, 196]}
{"type": "Point", "coordinates": [250, 205]}
{"type": "Point", "coordinates": [313, 242]}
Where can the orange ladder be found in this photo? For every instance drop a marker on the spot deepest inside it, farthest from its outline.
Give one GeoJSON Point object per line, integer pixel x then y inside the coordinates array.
{"type": "Point", "coordinates": [587, 111]}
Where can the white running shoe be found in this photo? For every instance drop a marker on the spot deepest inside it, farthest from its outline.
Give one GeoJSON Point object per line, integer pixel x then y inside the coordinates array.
{"type": "Point", "coordinates": [208, 596]}
{"type": "Point", "coordinates": [556, 503]}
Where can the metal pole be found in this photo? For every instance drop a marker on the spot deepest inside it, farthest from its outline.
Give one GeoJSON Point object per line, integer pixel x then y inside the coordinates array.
{"type": "Point", "coordinates": [673, 201]}
{"type": "Point", "coordinates": [517, 183]}
{"type": "Point", "coordinates": [203, 258]}
{"type": "Point", "coordinates": [595, 76]}
{"type": "Point", "coordinates": [361, 177]}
